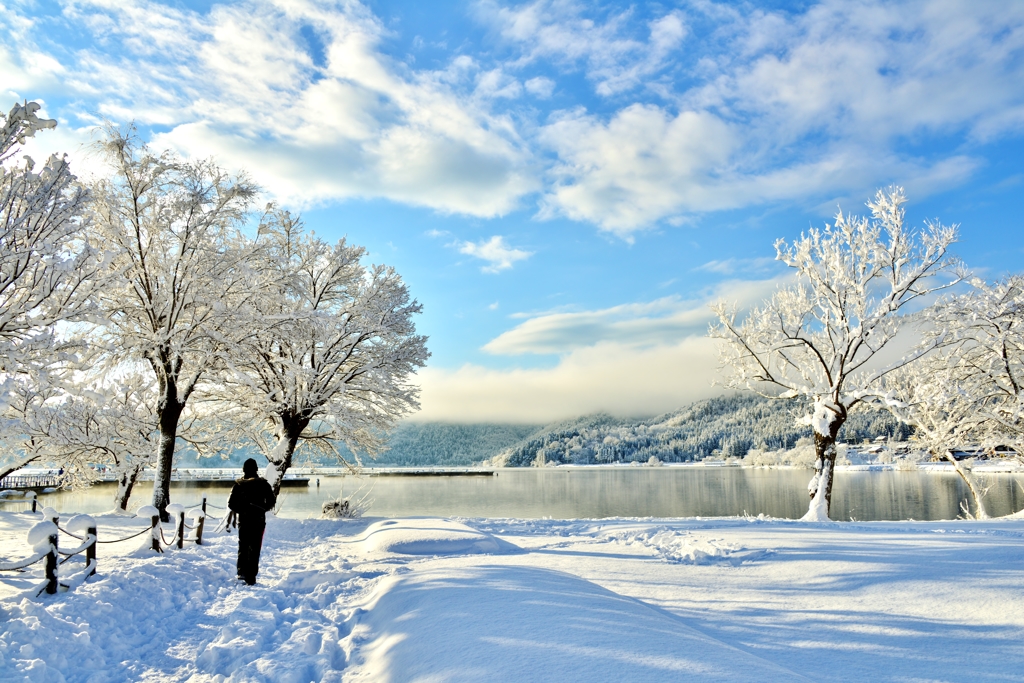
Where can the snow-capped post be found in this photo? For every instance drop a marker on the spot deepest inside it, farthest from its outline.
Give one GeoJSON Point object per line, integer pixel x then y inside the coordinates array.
{"type": "Point", "coordinates": [177, 512]}
{"type": "Point", "coordinates": [154, 516]}
{"type": "Point", "coordinates": [51, 564]}
{"type": "Point", "coordinates": [43, 537]}
{"type": "Point", "coordinates": [198, 517]}
{"type": "Point", "coordinates": [85, 524]}
{"type": "Point", "coordinates": [330, 353]}
{"type": "Point", "coordinates": [176, 268]}
{"type": "Point", "coordinates": [819, 339]}
{"type": "Point", "coordinates": [90, 552]}
{"type": "Point", "coordinates": [32, 495]}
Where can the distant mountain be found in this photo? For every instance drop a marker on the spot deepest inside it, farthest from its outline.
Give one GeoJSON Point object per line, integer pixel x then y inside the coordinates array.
{"type": "Point", "coordinates": [452, 445]}
{"type": "Point", "coordinates": [727, 426]}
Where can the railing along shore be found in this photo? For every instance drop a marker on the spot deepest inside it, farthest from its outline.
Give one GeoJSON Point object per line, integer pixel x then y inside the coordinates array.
{"type": "Point", "coordinates": [43, 539]}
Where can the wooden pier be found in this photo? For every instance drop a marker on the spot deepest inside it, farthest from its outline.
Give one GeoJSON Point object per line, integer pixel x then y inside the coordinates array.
{"type": "Point", "coordinates": [30, 481]}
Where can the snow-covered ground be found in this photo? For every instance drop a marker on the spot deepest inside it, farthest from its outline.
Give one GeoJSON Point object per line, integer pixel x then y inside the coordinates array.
{"type": "Point", "coordinates": [727, 599]}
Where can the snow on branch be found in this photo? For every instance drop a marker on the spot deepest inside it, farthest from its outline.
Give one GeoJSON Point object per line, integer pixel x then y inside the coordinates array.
{"type": "Point", "coordinates": [822, 336]}
{"type": "Point", "coordinates": [46, 260]}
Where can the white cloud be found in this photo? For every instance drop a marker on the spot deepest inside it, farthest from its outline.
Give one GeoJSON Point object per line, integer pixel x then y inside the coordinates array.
{"type": "Point", "coordinates": [712, 107]}
{"type": "Point", "coordinates": [810, 107]}
{"type": "Point", "coordinates": [499, 255]}
{"type": "Point", "coordinates": [540, 87]}
{"type": "Point", "coordinates": [872, 69]}
{"type": "Point", "coordinates": [239, 83]}
{"type": "Point", "coordinates": [646, 165]}
{"type": "Point", "coordinates": [496, 83]}
{"type": "Point", "coordinates": [641, 166]}
{"type": "Point", "coordinates": [608, 376]}
{"type": "Point", "coordinates": [563, 31]}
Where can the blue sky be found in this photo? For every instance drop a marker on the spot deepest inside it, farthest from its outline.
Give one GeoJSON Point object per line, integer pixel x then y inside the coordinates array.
{"type": "Point", "coordinates": [564, 185]}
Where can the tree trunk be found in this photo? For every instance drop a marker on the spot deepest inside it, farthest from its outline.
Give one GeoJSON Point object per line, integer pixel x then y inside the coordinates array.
{"type": "Point", "coordinates": [125, 484]}
{"type": "Point", "coordinates": [820, 486]}
{"type": "Point", "coordinates": [169, 411]}
{"type": "Point", "coordinates": [965, 474]}
{"type": "Point", "coordinates": [280, 459]}
{"type": "Point", "coordinates": [17, 466]}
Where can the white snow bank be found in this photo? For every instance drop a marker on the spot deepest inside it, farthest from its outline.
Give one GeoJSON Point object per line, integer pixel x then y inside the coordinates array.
{"type": "Point", "coordinates": [430, 537]}
{"type": "Point", "coordinates": [507, 623]}
{"type": "Point", "coordinates": [581, 600]}
{"type": "Point", "coordinates": [684, 547]}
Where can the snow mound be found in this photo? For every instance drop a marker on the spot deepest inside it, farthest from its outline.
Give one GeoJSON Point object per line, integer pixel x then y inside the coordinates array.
{"type": "Point", "coordinates": [430, 537]}
{"type": "Point", "coordinates": [513, 623]}
{"type": "Point", "coordinates": [683, 547]}
{"type": "Point", "coordinates": [309, 580]}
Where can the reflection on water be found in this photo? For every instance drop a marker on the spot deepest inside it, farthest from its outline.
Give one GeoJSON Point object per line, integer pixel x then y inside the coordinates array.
{"type": "Point", "coordinates": [615, 492]}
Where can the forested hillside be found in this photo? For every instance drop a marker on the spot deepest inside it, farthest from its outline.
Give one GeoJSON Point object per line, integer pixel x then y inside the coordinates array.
{"type": "Point", "coordinates": [411, 445]}
{"type": "Point", "coordinates": [449, 445]}
{"type": "Point", "coordinates": [728, 426]}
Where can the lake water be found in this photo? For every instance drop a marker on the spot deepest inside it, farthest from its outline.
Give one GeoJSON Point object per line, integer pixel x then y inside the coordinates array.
{"type": "Point", "coordinates": [612, 492]}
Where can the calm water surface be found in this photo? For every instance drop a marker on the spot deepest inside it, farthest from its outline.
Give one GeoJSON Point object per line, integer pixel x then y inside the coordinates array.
{"type": "Point", "coordinates": [613, 492]}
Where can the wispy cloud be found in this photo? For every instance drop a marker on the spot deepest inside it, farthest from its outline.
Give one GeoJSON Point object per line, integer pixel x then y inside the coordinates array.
{"type": "Point", "coordinates": [612, 54]}
{"type": "Point", "coordinates": [740, 266]}
{"type": "Point", "coordinates": [635, 325]}
{"type": "Point", "coordinates": [499, 255]}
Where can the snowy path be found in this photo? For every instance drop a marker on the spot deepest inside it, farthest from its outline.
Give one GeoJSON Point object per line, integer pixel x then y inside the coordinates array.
{"type": "Point", "coordinates": [539, 600]}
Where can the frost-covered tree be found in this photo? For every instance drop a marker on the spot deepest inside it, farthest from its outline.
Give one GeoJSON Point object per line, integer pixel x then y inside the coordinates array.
{"type": "Point", "coordinates": [945, 415]}
{"type": "Point", "coordinates": [981, 333]}
{"type": "Point", "coordinates": [177, 268]}
{"type": "Point", "coordinates": [822, 339]}
{"type": "Point", "coordinates": [330, 352]}
{"type": "Point", "coordinates": [87, 423]}
{"type": "Point", "coordinates": [44, 256]}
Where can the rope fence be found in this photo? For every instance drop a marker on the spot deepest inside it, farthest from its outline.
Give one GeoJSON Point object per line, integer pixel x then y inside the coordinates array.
{"type": "Point", "coordinates": [43, 539]}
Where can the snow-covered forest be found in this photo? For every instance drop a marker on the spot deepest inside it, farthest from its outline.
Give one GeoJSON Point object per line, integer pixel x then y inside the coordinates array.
{"type": "Point", "coordinates": [729, 427]}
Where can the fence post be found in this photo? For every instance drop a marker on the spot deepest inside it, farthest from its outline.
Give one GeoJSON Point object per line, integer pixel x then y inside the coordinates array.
{"type": "Point", "coordinates": [51, 566]}
{"type": "Point", "coordinates": [178, 510]}
{"type": "Point", "coordinates": [156, 534]}
{"type": "Point", "coordinates": [154, 516]}
{"type": "Point", "coordinates": [90, 552]}
{"type": "Point", "coordinates": [204, 504]}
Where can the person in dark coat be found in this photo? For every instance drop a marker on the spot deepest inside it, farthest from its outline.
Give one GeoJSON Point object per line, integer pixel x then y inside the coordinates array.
{"type": "Point", "coordinates": [251, 497]}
